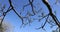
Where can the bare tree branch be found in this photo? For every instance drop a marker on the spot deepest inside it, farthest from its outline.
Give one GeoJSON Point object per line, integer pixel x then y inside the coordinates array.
{"type": "Point", "coordinates": [15, 11]}
{"type": "Point", "coordinates": [31, 4]}
{"type": "Point", "coordinates": [51, 14]}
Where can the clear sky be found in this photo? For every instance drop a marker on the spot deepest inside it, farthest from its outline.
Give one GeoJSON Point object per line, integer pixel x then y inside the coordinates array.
{"type": "Point", "coordinates": [13, 19]}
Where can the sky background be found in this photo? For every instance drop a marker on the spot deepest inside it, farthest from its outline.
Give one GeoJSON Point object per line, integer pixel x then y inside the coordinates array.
{"type": "Point", "coordinates": [15, 21]}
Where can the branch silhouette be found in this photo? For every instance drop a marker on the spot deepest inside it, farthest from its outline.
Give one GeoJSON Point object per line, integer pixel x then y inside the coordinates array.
{"type": "Point", "coordinates": [51, 14]}
{"type": "Point", "coordinates": [15, 11]}
{"type": "Point", "coordinates": [31, 4]}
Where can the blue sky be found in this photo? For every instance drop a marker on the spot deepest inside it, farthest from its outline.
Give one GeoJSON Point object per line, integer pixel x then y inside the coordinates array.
{"type": "Point", "coordinates": [13, 19]}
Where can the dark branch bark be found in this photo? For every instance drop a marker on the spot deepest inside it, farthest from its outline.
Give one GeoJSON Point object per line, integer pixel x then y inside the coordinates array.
{"type": "Point", "coordinates": [15, 10]}
{"type": "Point", "coordinates": [32, 6]}
{"type": "Point", "coordinates": [4, 14]}
{"type": "Point", "coordinates": [51, 14]}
